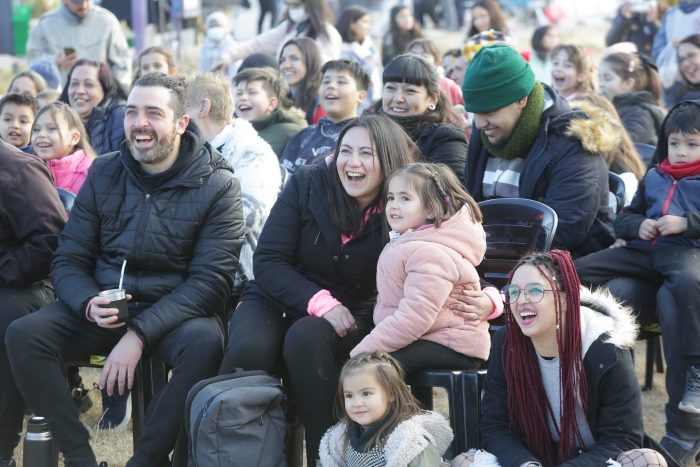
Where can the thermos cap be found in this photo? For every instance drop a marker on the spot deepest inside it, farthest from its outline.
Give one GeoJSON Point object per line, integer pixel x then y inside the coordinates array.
{"type": "Point", "coordinates": [37, 425]}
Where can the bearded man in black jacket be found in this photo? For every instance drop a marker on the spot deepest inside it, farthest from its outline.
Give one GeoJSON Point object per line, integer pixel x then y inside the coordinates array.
{"type": "Point", "coordinates": [168, 204]}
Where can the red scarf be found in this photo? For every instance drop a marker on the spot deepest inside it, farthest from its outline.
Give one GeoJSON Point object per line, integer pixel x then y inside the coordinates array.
{"type": "Point", "coordinates": [678, 171]}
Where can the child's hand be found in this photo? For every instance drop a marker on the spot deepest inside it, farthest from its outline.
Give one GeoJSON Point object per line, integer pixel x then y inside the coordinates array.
{"type": "Point", "coordinates": [341, 319]}
{"type": "Point", "coordinates": [671, 225]}
{"type": "Point", "coordinates": [618, 243]}
{"type": "Point", "coordinates": [647, 229]}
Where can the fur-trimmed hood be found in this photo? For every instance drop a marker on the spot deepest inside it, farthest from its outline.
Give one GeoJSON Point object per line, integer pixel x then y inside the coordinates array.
{"type": "Point", "coordinates": [601, 313]}
{"type": "Point", "coordinates": [598, 133]}
{"type": "Point", "coordinates": [406, 442]}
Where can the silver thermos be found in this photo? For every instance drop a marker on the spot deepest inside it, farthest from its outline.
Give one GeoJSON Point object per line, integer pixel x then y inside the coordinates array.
{"type": "Point", "coordinates": [40, 449]}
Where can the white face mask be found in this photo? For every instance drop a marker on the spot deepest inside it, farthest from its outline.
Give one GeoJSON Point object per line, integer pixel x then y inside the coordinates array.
{"type": "Point", "coordinates": [216, 33]}
{"type": "Point", "coordinates": [298, 14]}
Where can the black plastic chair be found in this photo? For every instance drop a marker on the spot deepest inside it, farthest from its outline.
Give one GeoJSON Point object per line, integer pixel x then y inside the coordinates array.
{"type": "Point", "coordinates": [646, 152]}
{"type": "Point", "coordinates": [617, 188]}
{"type": "Point", "coordinates": [514, 228]}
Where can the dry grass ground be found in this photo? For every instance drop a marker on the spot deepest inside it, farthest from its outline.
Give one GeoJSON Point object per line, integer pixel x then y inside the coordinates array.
{"type": "Point", "coordinates": [115, 447]}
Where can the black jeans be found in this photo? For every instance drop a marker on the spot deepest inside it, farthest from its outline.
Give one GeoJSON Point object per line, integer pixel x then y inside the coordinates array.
{"type": "Point", "coordinates": [677, 268]}
{"type": "Point", "coordinates": [261, 338]}
{"type": "Point", "coordinates": [426, 355]}
{"type": "Point", "coordinates": [14, 304]}
{"type": "Point", "coordinates": [267, 6]}
{"type": "Point", "coordinates": [39, 343]}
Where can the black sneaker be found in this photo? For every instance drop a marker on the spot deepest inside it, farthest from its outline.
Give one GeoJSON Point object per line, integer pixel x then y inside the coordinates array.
{"type": "Point", "coordinates": [116, 410]}
{"type": "Point", "coordinates": [684, 453]}
{"type": "Point", "coordinates": [81, 397]}
{"type": "Point", "coordinates": [7, 462]}
{"type": "Point", "coordinates": [691, 397]}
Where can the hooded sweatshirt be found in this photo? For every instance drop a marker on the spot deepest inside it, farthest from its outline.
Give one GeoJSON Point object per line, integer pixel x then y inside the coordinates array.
{"type": "Point", "coordinates": [415, 275]}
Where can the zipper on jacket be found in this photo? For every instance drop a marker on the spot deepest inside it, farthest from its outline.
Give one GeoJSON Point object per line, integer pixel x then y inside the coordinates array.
{"type": "Point", "coordinates": [142, 223]}
{"type": "Point", "coordinates": [667, 203]}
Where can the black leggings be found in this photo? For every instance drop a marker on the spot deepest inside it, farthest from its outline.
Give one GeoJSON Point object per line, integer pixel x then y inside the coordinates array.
{"type": "Point", "coordinates": [261, 338]}
{"type": "Point", "coordinates": [267, 6]}
{"type": "Point", "coordinates": [427, 355]}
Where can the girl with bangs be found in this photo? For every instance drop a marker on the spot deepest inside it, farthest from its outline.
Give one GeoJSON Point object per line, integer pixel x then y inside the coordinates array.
{"type": "Point", "coordinates": [412, 98]}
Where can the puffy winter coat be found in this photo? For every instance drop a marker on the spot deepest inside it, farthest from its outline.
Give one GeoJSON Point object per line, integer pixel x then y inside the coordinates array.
{"type": "Point", "coordinates": [70, 171]}
{"type": "Point", "coordinates": [614, 414]}
{"type": "Point", "coordinates": [300, 251]}
{"type": "Point", "coordinates": [416, 442]}
{"type": "Point", "coordinates": [640, 115]}
{"type": "Point", "coordinates": [278, 127]}
{"type": "Point", "coordinates": [415, 275]}
{"type": "Point", "coordinates": [105, 127]}
{"type": "Point", "coordinates": [315, 141]}
{"type": "Point", "coordinates": [180, 231]}
{"type": "Point", "coordinates": [442, 143]}
{"type": "Point", "coordinates": [560, 173]}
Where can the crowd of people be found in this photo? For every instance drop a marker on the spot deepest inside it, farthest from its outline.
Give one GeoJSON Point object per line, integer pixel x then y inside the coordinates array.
{"type": "Point", "coordinates": [307, 204]}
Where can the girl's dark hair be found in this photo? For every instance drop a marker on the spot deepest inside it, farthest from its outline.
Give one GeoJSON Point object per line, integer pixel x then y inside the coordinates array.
{"type": "Point", "coordinates": [683, 118]}
{"type": "Point", "coordinates": [528, 406]}
{"type": "Point", "coordinates": [637, 68]}
{"type": "Point", "coordinates": [498, 19]}
{"type": "Point", "coordinates": [393, 148]}
{"type": "Point", "coordinates": [416, 70]}
{"type": "Point", "coordinates": [73, 122]}
{"type": "Point", "coordinates": [624, 157]}
{"type": "Point", "coordinates": [694, 40]}
{"type": "Point", "coordinates": [427, 45]}
{"type": "Point", "coordinates": [390, 376]}
{"type": "Point", "coordinates": [401, 38]}
{"type": "Point", "coordinates": [319, 16]}
{"type": "Point", "coordinates": [36, 78]}
{"type": "Point", "coordinates": [537, 42]}
{"type": "Point", "coordinates": [110, 86]}
{"type": "Point", "coordinates": [307, 89]}
{"type": "Point", "coordinates": [439, 189]}
{"type": "Point", "coordinates": [576, 55]}
{"type": "Point", "coordinates": [347, 18]}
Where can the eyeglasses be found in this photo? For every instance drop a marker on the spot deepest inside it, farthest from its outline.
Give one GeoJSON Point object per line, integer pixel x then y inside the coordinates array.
{"type": "Point", "coordinates": [535, 292]}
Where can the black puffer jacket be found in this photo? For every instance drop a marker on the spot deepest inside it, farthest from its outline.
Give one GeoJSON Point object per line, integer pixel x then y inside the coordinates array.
{"type": "Point", "coordinates": [105, 127]}
{"type": "Point", "coordinates": [640, 115]}
{"type": "Point", "coordinates": [300, 253]}
{"type": "Point", "coordinates": [180, 231]}
{"type": "Point", "coordinates": [442, 143]}
{"type": "Point", "coordinates": [561, 174]}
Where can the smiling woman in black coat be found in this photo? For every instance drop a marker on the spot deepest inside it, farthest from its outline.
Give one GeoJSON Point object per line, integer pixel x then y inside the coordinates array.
{"type": "Point", "coordinates": [315, 264]}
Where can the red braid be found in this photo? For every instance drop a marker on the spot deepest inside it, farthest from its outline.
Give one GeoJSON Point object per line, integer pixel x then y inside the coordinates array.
{"type": "Point", "coordinates": [528, 409]}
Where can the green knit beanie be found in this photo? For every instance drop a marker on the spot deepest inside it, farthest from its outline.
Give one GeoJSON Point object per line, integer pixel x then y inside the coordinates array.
{"type": "Point", "coordinates": [495, 78]}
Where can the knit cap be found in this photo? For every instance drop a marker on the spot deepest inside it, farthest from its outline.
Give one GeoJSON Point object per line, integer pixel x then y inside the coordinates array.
{"type": "Point", "coordinates": [495, 78]}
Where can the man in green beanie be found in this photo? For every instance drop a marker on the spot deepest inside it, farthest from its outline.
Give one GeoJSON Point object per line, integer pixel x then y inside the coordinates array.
{"type": "Point", "coordinates": [522, 147]}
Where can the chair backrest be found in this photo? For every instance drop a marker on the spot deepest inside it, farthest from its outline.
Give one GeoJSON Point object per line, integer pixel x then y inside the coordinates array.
{"type": "Point", "coordinates": [646, 152]}
{"type": "Point", "coordinates": [617, 188]}
{"type": "Point", "coordinates": [67, 198]}
{"type": "Point", "coordinates": [514, 228]}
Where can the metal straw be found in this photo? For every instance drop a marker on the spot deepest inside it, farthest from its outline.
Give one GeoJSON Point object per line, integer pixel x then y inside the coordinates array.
{"type": "Point", "coordinates": [121, 277]}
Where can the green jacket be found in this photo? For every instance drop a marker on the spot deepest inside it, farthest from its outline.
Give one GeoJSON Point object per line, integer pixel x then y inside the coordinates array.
{"type": "Point", "coordinates": [279, 126]}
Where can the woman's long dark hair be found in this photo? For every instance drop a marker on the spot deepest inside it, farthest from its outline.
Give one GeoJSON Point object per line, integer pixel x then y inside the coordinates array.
{"type": "Point", "coordinates": [110, 86]}
{"type": "Point", "coordinates": [349, 16]}
{"type": "Point", "coordinates": [399, 37]}
{"type": "Point", "coordinates": [393, 148]}
{"type": "Point", "coordinates": [537, 42]}
{"type": "Point", "coordinates": [528, 407]}
{"type": "Point", "coordinates": [498, 19]}
{"type": "Point", "coordinates": [416, 70]}
{"type": "Point", "coordinates": [307, 89]}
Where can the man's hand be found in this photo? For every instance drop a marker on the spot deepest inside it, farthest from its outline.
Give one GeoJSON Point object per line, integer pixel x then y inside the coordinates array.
{"type": "Point", "coordinates": [647, 229]}
{"type": "Point", "coordinates": [66, 62]}
{"type": "Point", "coordinates": [104, 317]}
{"type": "Point", "coordinates": [472, 306]}
{"type": "Point", "coordinates": [671, 225]}
{"type": "Point", "coordinates": [341, 319]}
{"type": "Point", "coordinates": [121, 364]}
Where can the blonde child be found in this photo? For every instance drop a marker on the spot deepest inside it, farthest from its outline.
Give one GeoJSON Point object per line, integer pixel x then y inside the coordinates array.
{"type": "Point", "coordinates": [437, 242]}
{"type": "Point", "coordinates": [633, 85]}
{"type": "Point", "coordinates": [59, 138]}
{"type": "Point", "coordinates": [571, 71]}
{"type": "Point", "coordinates": [381, 422]}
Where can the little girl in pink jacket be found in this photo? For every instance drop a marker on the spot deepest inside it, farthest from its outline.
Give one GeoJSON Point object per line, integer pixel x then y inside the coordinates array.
{"type": "Point", "coordinates": [59, 138]}
{"type": "Point", "coordinates": [437, 242]}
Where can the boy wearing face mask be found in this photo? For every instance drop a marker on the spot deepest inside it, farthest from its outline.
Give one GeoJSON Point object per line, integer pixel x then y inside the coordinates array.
{"type": "Point", "coordinates": [217, 40]}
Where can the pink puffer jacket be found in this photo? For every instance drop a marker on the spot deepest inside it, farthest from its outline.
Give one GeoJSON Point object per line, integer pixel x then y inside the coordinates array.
{"type": "Point", "coordinates": [415, 275]}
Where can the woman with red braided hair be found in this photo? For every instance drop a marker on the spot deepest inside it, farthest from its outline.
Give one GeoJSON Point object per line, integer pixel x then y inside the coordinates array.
{"type": "Point", "coordinates": [561, 386]}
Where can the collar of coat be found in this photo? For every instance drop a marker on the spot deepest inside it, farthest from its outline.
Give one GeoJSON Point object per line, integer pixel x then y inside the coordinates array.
{"type": "Point", "coordinates": [602, 314]}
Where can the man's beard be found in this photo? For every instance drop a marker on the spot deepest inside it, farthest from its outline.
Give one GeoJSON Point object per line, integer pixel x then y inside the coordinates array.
{"type": "Point", "coordinates": [160, 150]}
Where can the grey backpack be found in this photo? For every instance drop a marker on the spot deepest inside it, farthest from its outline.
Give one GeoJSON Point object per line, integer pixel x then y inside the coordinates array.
{"type": "Point", "coordinates": [236, 420]}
